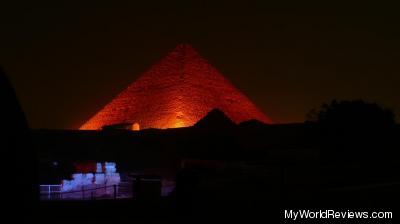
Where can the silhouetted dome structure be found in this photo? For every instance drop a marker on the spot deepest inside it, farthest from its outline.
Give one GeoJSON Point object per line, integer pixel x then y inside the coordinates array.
{"type": "Point", "coordinates": [19, 156]}
{"type": "Point", "coordinates": [176, 92]}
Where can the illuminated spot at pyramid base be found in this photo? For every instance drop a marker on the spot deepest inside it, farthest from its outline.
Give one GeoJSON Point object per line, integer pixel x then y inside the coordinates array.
{"type": "Point", "coordinates": [135, 127]}
{"type": "Point", "coordinates": [178, 124]}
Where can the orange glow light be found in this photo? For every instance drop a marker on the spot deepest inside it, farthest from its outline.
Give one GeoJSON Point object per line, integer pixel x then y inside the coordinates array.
{"type": "Point", "coordinates": [135, 127]}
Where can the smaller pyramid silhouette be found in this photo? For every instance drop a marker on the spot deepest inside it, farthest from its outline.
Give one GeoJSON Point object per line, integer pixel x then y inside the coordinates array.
{"type": "Point", "coordinates": [215, 119]}
{"type": "Point", "coordinates": [177, 91]}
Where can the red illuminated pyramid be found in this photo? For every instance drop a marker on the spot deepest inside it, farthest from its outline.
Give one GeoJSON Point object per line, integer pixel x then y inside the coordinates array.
{"type": "Point", "coordinates": [176, 92]}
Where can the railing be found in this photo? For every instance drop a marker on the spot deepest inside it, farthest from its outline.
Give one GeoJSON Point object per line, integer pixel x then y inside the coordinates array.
{"type": "Point", "coordinates": [49, 192]}
{"type": "Point", "coordinates": [53, 192]}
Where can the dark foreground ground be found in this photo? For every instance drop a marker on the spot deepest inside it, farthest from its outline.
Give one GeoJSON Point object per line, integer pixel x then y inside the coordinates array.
{"type": "Point", "coordinates": [210, 208]}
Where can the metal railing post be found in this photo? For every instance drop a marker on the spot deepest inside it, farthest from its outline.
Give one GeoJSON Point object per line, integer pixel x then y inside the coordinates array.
{"type": "Point", "coordinates": [83, 193]}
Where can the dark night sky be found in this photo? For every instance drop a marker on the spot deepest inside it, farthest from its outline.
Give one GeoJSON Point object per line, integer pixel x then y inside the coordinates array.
{"type": "Point", "coordinates": [67, 60]}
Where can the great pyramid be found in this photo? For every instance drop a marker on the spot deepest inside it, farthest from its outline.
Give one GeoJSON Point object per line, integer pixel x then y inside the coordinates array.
{"type": "Point", "coordinates": [177, 91]}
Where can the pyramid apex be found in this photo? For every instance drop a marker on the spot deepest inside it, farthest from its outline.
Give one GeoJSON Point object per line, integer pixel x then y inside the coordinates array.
{"type": "Point", "coordinates": [184, 47]}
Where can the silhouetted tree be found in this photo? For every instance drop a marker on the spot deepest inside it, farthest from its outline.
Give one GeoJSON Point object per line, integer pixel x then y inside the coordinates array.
{"type": "Point", "coordinates": [354, 122]}
{"type": "Point", "coordinates": [356, 139]}
{"type": "Point", "coordinates": [354, 113]}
